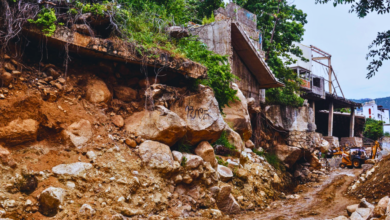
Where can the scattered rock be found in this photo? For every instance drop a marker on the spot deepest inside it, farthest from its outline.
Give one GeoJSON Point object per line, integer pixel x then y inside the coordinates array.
{"type": "Point", "coordinates": [27, 184]}
{"type": "Point", "coordinates": [86, 212]}
{"type": "Point", "coordinates": [97, 91]}
{"type": "Point", "coordinates": [206, 151]}
{"type": "Point", "coordinates": [202, 116]}
{"type": "Point", "coordinates": [125, 94]}
{"type": "Point", "coordinates": [52, 72]}
{"type": "Point", "coordinates": [19, 131]}
{"type": "Point", "coordinates": [177, 156]}
{"type": "Point", "coordinates": [225, 173]}
{"type": "Point", "coordinates": [249, 144]}
{"type": "Point", "coordinates": [131, 143]}
{"type": "Point", "coordinates": [78, 133]}
{"type": "Point", "coordinates": [159, 125]}
{"type": "Point", "coordinates": [380, 209]}
{"type": "Point", "coordinates": [361, 214]}
{"type": "Point", "coordinates": [131, 212]}
{"type": "Point", "coordinates": [193, 161]}
{"type": "Point", "coordinates": [118, 121]}
{"type": "Point", "coordinates": [156, 155]}
{"type": "Point", "coordinates": [225, 201]}
{"type": "Point", "coordinates": [91, 155]}
{"type": "Point", "coordinates": [73, 169]}
{"type": "Point", "coordinates": [351, 209]}
{"type": "Point", "coordinates": [6, 79]}
{"type": "Point", "coordinates": [242, 174]}
{"type": "Point", "coordinates": [50, 199]}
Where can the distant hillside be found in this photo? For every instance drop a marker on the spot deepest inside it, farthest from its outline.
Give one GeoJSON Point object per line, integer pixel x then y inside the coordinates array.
{"type": "Point", "coordinates": [385, 102]}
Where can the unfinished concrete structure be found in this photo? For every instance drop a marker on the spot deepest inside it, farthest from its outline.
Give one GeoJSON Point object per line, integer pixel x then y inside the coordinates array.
{"type": "Point", "coordinates": [325, 102]}
{"type": "Point", "coordinates": [234, 34]}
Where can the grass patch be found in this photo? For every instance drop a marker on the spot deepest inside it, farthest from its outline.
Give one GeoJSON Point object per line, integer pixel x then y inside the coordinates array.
{"type": "Point", "coordinates": [225, 142]}
{"type": "Point", "coordinates": [271, 158]}
{"type": "Point", "coordinates": [221, 161]}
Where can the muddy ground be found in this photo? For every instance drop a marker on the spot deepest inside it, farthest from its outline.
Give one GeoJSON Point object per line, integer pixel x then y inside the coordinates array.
{"type": "Point", "coordinates": [323, 200]}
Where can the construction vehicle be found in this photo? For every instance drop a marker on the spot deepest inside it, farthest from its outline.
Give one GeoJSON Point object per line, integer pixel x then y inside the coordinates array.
{"type": "Point", "coordinates": [356, 156]}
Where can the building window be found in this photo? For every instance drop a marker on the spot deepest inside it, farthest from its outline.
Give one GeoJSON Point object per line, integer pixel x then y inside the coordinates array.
{"type": "Point", "coordinates": [317, 82]}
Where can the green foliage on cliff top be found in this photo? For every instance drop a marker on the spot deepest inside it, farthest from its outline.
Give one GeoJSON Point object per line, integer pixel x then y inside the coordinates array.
{"type": "Point", "coordinates": [46, 19]}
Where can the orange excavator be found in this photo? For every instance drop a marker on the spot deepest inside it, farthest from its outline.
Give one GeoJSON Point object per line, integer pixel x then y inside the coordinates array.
{"type": "Point", "coordinates": [356, 156]}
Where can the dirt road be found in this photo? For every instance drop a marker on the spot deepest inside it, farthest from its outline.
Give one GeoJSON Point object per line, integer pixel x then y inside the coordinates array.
{"type": "Point", "coordinates": [323, 200]}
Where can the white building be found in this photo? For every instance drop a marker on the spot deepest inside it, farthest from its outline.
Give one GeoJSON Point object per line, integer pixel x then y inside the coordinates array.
{"type": "Point", "coordinates": [377, 112]}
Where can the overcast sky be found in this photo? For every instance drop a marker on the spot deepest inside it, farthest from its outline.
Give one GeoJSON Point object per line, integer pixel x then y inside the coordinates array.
{"type": "Point", "coordinates": [347, 37]}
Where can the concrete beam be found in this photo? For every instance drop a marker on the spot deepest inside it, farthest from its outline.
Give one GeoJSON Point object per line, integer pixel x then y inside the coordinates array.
{"type": "Point", "coordinates": [330, 119]}
{"type": "Point", "coordinates": [352, 123]}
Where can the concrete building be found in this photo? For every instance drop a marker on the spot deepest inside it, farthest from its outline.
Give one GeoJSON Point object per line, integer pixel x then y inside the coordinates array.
{"type": "Point", "coordinates": [234, 33]}
{"type": "Point", "coordinates": [377, 112]}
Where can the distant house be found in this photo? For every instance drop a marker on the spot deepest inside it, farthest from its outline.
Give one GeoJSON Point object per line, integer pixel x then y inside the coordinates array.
{"type": "Point", "coordinates": [377, 112]}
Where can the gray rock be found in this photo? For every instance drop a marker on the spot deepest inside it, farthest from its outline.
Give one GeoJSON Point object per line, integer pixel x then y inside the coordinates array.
{"type": "Point", "coordinates": [156, 155]}
{"type": "Point", "coordinates": [78, 133]}
{"type": "Point", "coordinates": [177, 156]}
{"type": "Point", "coordinates": [86, 212]}
{"type": "Point", "coordinates": [361, 214]}
{"type": "Point", "coordinates": [225, 173]}
{"type": "Point", "coordinates": [193, 161]}
{"type": "Point", "coordinates": [352, 208]}
{"type": "Point", "coordinates": [73, 169]}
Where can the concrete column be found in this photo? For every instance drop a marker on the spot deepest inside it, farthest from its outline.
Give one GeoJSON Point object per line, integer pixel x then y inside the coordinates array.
{"type": "Point", "coordinates": [352, 122]}
{"type": "Point", "coordinates": [330, 121]}
{"type": "Point", "coordinates": [313, 106]}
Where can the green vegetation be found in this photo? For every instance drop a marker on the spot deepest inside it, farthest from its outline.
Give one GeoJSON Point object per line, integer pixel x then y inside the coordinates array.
{"type": "Point", "coordinates": [95, 8]}
{"type": "Point", "coordinates": [373, 129]}
{"type": "Point", "coordinates": [221, 161]}
{"type": "Point", "coordinates": [387, 134]}
{"type": "Point", "coordinates": [47, 20]}
{"type": "Point", "coordinates": [184, 161]}
{"type": "Point", "coordinates": [271, 158]}
{"type": "Point", "coordinates": [183, 146]}
{"type": "Point", "coordinates": [281, 24]}
{"type": "Point", "coordinates": [224, 142]}
{"type": "Point", "coordinates": [208, 20]}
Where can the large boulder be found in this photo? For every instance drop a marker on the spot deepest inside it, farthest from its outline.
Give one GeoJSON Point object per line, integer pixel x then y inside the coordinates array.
{"type": "Point", "coordinates": [225, 200]}
{"type": "Point", "coordinates": [19, 131]}
{"type": "Point", "coordinates": [287, 154]}
{"type": "Point", "coordinates": [50, 199]}
{"type": "Point", "coordinates": [235, 139]}
{"type": "Point", "coordinates": [125, 94]}
{"type": "Point", "coordinates": [156, 155]}
{"type": "Point", "coordinates": [159, 125]}
{"type": "Point", "coordinates": [78, 133]}
{"type": "Point", "coordinates": [361, 214]}
{"type": "Point", "coordinates": [73, 169]}
{"type": "Point", "coordinates": [201, 113]}
{"type": "Point", "coordinates": [291, 118]}
{"type": "Point", "coordinates": [237, 115]}
{"type": "Point", "coordinates": [206, 151]}
{"type": "Point", "coordinates": [324, 146]}
{"type": "Point", "coordinates": [97, 91]}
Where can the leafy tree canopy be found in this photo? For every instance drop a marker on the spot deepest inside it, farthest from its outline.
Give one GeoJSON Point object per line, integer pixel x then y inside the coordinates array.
{"type": "Point", "coordinates": [380, 47]}
{"type": "Point", "coordinates": [373, 129]}
{"type": "Point", "coordinates": [281, 24]}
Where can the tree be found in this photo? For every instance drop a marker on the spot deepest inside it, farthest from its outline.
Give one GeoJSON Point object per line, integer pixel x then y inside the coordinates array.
{"type": "Point", "coordinates": [380, 47]}
{"type": "Point", "coordinates": [373, 129]}
{"type": "Point", "coordinates": [281, 24]}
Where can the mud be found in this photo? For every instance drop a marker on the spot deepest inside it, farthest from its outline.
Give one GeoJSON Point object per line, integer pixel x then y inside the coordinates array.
{"type": "Point", "coordinates": [323, 200]}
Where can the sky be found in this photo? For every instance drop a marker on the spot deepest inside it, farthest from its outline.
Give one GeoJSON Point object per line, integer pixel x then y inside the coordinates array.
{"type": "Point", "coordinates": [346, 38]}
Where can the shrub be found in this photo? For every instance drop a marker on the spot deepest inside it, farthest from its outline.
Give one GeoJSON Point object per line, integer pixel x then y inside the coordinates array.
{"type": "Point", "coordinates": [46, 20]}
{"type": "Point", "coordinates": [225, 142]}
{"type": "Point", "coordinates": [373, 129]}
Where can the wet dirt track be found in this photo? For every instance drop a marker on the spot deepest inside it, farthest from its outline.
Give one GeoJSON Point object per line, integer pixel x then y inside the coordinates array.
{"type": "Point", "coordinates": [324, 200]}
